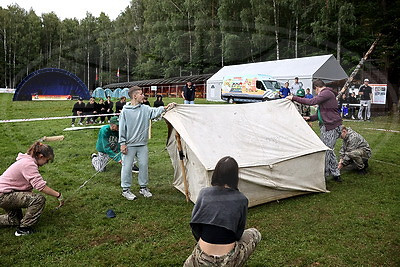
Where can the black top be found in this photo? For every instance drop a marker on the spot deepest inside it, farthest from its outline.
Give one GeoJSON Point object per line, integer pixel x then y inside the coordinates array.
{"type": "Point", "coordinates": [189, 92]}
{"type": "Point", "coordinates": [109, 106]}
{"type": "Point", "coordinates": [158, 103]}
{"type": "Point", "coordinates": [118, 106]}
{"type": "Point", "coordinates": [78, 107]}
{"type": "Point", "coordinates": [222, 207]}
{"type": "Point", "coordinates": [101, 108]}
{"type": "Point", "coordinates": [366, 90]}
{"type": "Point", "coordinates": [90, 107]}
{"type": "Point", "coordinates": [146, 102]}
{"type": "Point", "coordinates": [216, 235]}
{"type": "Point", "coordinates": [353, 100]}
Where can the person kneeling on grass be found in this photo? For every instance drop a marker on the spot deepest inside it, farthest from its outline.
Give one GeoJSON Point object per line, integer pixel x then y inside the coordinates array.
{"type": "Point", "coordinates": [16, 185]}
{"type": "Point", "coordinates": [108, 147]}
{"type": "Point", "coordinates": [355, 150]}
{"type": "Point", "coordinates": [219, 220]}
{"type": "Point", "coordinates": [133, 137]}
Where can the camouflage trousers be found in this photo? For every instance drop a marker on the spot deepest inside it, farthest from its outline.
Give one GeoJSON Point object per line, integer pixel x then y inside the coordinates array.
{"type": "Point", "coordinates": [236, 257]}
{"type": "Point", "coordinates": [13, 203]}
{"type": "Point", "coordinates": [99, 163]}
{"type": "Point", "coordinates": [356, 157]}
{"type": "Point", "coordinates": [329, 139]}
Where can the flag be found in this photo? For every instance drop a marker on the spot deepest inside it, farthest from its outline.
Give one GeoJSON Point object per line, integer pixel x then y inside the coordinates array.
{"type": "Point", "coordinates": [97, 75]}
{"type": "Point", "coordinates": [118, 72]}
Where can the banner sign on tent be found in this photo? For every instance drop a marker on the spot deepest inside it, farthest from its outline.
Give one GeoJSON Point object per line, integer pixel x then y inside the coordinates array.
{"type": "Point", "coordinates": [379, 93]}
{"type": "Point", "coordinates": [154, 88]}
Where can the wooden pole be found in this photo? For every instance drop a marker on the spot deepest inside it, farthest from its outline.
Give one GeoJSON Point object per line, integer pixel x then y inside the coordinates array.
{"type": "Point", "coordinates": [355, 71]}
{"type": "Point", "coordinates": [181, 156]}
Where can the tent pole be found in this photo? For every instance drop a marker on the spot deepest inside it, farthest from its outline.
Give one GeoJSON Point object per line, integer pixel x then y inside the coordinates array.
{"type": "Point", "coordinates": [181, 156]}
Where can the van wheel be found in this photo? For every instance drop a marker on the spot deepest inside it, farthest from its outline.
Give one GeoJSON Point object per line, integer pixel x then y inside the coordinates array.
{"type": "Point", "coordinates": [230, 100]}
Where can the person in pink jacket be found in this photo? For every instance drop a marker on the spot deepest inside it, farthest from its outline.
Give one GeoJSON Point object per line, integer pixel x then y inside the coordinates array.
{"type": "Point", "coordinates": [16, 185]}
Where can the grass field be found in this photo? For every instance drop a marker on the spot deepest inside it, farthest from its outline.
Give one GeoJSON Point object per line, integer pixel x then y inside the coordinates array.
{"type": "Point", "coordinates": [357, 224]}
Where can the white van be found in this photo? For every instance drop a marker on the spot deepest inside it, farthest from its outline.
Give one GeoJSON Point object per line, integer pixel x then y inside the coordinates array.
{"type": "Point", "coordinates": [250, 88]}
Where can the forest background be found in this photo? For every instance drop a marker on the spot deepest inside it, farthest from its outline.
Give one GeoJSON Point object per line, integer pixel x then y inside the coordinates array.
{"type": "Point", "coordinates": [160, 39]}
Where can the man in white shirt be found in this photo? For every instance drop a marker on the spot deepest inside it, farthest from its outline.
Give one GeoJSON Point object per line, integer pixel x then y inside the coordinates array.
{"type": "Point", "coordinates": [296, 86]}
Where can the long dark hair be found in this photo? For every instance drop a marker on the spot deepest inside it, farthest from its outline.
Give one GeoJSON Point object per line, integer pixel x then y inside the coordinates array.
{"type": "Point", "coordinates": [39, 148]}
{"type": "Point", "coordinates": [226, 173]}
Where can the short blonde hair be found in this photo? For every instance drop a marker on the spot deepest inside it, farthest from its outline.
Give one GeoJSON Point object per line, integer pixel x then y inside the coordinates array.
{"type": "Point", "coordinates": [133, 90]}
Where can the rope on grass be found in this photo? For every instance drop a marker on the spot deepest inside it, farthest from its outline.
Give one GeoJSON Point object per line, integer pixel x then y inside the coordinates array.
{"type": "Point", "coordinates": [388, 163]}
{"type": "Point", "coordinates": [84, 184]}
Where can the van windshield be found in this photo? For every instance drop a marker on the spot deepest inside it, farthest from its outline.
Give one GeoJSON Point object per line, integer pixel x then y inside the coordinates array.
{"type": "Point", "coordinates": [273, 85]}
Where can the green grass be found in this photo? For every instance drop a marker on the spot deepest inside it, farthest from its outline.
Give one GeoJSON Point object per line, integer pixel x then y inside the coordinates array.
{"type": "Point", "coordinates": [356, 224]}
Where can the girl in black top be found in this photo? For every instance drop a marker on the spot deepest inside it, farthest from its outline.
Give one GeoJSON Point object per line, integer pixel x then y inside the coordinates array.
{"type": "Point", "coordinates": [158, 102]}
{"type": "Point", "coordinates": [219, 220]}
{"type": "Point", "coordinates": [109, 107]}
{"type": "Point", "coordinates": [101, 109]}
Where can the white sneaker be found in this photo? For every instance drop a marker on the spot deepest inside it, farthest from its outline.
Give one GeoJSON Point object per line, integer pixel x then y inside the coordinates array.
{"type": "Point", "coordinates": [80, 123]}
{"type": "Point", "coordinates": [72, 125]}
{"type": "Point", "coordinates": [128, 195]}
{"type": "Point", "coordinates": [145, 192]}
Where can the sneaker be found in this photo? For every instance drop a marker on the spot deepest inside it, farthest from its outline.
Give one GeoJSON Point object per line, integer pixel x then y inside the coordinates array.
{"type": "Point", "coordinates": [23, 231]}
{"type": "Point", "coordinates": [337, 179]}
{"type": "Point", "coordinates": [72, 125]}
{"type": "Point", "coordinates": [80, 123]}
{"type": "Point", "coordinates": [128, 195]}
{"type": "Point", "coordinates": [93, 155]}
{"type": "Point", "coordinates": [145, 192]}
{"type": "Point", "coordinates": [135, 169]}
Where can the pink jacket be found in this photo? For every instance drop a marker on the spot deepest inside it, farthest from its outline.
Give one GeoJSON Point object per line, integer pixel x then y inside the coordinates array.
{"type": "Point", "coordinates": [22, 175]}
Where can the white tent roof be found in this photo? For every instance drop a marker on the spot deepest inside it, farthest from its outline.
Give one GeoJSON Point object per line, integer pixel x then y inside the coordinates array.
{"type": "Point", "coordinates": [324, 67]}
{"type": "Point", "coordinates": [254, 134]}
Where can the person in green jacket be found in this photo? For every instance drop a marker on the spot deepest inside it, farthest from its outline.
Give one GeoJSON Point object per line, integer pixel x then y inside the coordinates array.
{"type": "Point", "coordinates": [108, 147]}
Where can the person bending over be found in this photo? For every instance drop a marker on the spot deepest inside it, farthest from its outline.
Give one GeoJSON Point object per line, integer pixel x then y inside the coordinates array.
{"type": "Point", "coordinates": [16, 185]}
{"type": "Point", "coordinates": [108, 147]}
{"type": "Point", "coordinates": [219, 220]}
{"type": "Point", "coordinates": [355, 150]}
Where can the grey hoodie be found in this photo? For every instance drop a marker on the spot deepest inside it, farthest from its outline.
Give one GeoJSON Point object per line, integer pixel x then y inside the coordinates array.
{"type": "Point", "coordinates": [134, 124]}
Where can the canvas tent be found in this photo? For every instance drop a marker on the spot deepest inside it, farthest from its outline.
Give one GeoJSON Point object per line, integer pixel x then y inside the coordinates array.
{"type": "Point", "coordinates": [265, 138]}
{"type": "Point", "coordinates": [324, 67]}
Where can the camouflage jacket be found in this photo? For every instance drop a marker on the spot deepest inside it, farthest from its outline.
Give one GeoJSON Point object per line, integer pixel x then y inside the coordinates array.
{"type": "Point", "coordinates": [353, 141]}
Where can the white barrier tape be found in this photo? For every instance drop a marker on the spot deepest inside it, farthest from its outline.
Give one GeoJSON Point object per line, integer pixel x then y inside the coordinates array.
{"type": "Point", "coordinates": [384, 130]}
{"type": "Point", "coordinates": [58, 118]}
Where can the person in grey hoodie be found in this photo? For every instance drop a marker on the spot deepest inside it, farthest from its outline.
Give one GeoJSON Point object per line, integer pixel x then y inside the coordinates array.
{"type": "Point", "coordinates": [330, 122]}
{"type": "Point", "coordinates": [134, 125]}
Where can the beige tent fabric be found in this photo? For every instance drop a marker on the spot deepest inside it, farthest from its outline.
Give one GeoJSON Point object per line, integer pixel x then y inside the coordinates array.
{"type": "Point", "coordinates": [275, 148]}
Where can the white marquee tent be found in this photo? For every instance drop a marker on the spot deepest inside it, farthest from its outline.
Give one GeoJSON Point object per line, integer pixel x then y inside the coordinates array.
{"type": "Point", "coordinates": [324, 67]}
{"type": "Point", "coordinates": [265, 138]}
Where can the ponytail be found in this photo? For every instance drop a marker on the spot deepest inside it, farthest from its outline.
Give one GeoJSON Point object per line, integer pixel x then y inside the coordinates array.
{"type": "Point", "coordinates": [39, 148]}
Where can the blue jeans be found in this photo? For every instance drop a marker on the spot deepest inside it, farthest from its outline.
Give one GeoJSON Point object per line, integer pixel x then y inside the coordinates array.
{"type": "Point", "coordinates": [188, 102]}
{"type": "Point", "coordinates": [142, 154]}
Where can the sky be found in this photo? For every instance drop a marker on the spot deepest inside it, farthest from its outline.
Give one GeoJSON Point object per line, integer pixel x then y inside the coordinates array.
{"type": "Point", "coordinates": [71, 8]}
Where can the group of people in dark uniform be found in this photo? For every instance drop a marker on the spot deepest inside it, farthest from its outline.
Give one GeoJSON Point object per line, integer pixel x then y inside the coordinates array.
{"type": "Point", "coordinates": [103, 107]}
